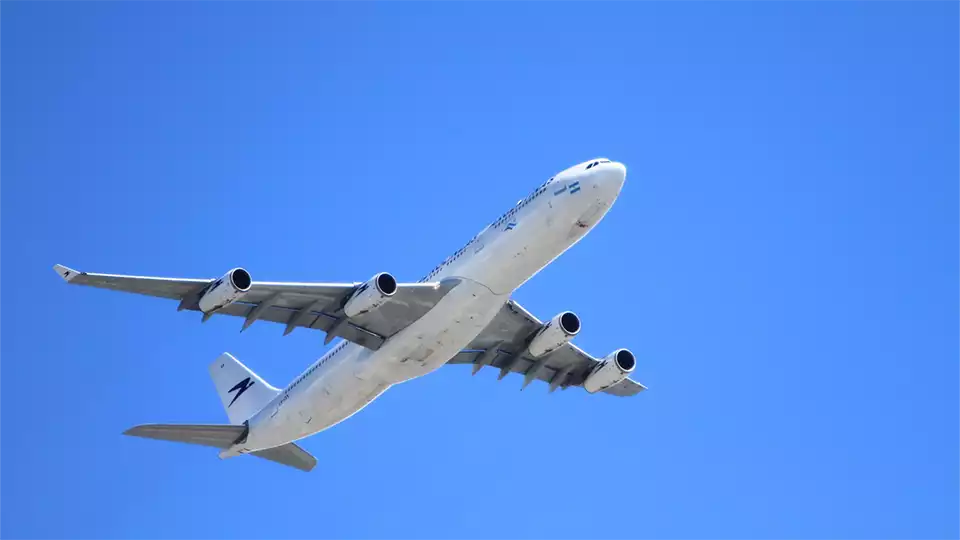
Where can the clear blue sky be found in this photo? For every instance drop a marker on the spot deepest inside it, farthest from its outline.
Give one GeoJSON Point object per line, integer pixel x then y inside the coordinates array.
{"type": "Point", "coordinates": [783, 259]}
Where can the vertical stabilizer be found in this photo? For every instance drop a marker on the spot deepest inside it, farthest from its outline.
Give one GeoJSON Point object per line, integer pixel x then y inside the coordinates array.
{"type": "Point", "coordinates": [242, 391]}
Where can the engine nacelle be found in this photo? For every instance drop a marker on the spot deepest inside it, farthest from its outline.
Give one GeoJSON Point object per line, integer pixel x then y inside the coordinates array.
{"type": "Point", "coordinates": [612, 369]}
{"type": "Point", "coordinates": [225, 290]}
{"type": "Point", "coordinates": [370, 295]}
{"type": "Point", "coordinates": [554, 334]}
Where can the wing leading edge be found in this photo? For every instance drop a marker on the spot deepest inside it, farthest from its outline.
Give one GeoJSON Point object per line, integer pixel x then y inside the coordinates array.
{"type": "Point", "coordinates": [308, 305]}
{"type": "Point", "coordinates": [502, 345]}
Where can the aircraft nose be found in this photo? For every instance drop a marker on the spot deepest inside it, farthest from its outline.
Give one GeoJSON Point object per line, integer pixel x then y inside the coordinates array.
{"type": "Point", "coordinates": [618, 172]}
{"type": "Point", "coordinates": [611, 176]}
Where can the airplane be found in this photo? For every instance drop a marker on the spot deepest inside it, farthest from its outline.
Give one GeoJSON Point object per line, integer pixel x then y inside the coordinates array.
{"type": "Point", "coordinates": [459, 313]}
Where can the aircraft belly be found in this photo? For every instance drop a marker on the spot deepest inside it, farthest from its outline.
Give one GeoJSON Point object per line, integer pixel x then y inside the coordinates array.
{"type": "Point", "coordinates": [332, 407]}
{"type": "Point", "coordinates": [517, 254]}
{"type": "Point", "coordinates": [430, 342]}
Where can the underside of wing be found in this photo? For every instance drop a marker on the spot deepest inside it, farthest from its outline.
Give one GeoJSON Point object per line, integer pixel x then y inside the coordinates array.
{"type": "Point", "coordinates": [320, 307]}
{"type": "Point", "coordinates": [364, 313]}
{"type": "Point", "coordinates": [506, 345]}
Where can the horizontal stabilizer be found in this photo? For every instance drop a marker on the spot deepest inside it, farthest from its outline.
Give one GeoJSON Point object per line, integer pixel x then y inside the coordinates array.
{"type": "Point", "coordinates": [215, 435]}
{"type": "Point", "coordinates": [224, 437]}
{"type": "Point", "coordinates": [290, 455]}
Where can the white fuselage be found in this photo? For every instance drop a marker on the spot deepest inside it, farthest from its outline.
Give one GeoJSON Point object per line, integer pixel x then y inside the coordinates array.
{"type": "Point", "coordinates": [490, 266]}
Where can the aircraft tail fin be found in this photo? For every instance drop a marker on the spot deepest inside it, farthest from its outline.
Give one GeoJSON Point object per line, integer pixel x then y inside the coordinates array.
{"type": "Point", "coordinates": [223, 436]}
{"type": "Point", "coordinates": [242, 391]}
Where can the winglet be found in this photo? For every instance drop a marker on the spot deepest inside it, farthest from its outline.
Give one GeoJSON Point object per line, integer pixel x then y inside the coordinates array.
{"type": "Point", "coordinates": [68, 274]}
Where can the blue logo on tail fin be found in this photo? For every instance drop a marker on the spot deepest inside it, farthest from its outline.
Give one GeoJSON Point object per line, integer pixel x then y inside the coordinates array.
{"type": "Point", "coordinates": [240, 388]}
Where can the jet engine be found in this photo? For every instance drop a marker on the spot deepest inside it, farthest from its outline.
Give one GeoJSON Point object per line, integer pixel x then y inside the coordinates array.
{"type": "Point", "coordinates": [370, 295]}
{"type": "Point", "coordinates": [611, 370]}
{"type": "Point", "coordinates": [554, 334]}
{"type": "Point", "coordinates": [226, 290]}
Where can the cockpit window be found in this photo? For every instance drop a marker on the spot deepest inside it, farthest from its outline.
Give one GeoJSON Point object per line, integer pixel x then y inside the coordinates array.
{"type": "Point", "coordinates": [595, 163]}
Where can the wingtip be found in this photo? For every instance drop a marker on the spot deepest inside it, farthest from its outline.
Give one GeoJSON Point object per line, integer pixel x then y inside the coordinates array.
{"type": "Point", "coordinates": [68, 274]}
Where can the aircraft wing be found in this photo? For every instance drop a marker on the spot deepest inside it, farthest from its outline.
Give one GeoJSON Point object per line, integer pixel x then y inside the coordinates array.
{"type": "Point", "coordinates": [308, 305]}
{"type": "Point", "coordinates": [502, 345]}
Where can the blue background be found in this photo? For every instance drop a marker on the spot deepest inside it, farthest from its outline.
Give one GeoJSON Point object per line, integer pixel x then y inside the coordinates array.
{"type": "Point", "coordinates": [783, 259]}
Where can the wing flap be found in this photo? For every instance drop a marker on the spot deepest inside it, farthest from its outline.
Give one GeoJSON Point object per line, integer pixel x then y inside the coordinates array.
{"type": "Point", "coordinates": [569, 365]}
{"type": "Point", "coordinates": [315, 319]}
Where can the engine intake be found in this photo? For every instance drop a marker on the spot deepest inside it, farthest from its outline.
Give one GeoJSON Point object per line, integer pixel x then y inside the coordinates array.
{"type": "Point", "coordinates": [226, 290]}
{"type": "Point", "coordinates": [614, 368]}
{"type": "Point", "coordinates": [554, 334]}
{"type": "Point", "coordinates": [370, 295]}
